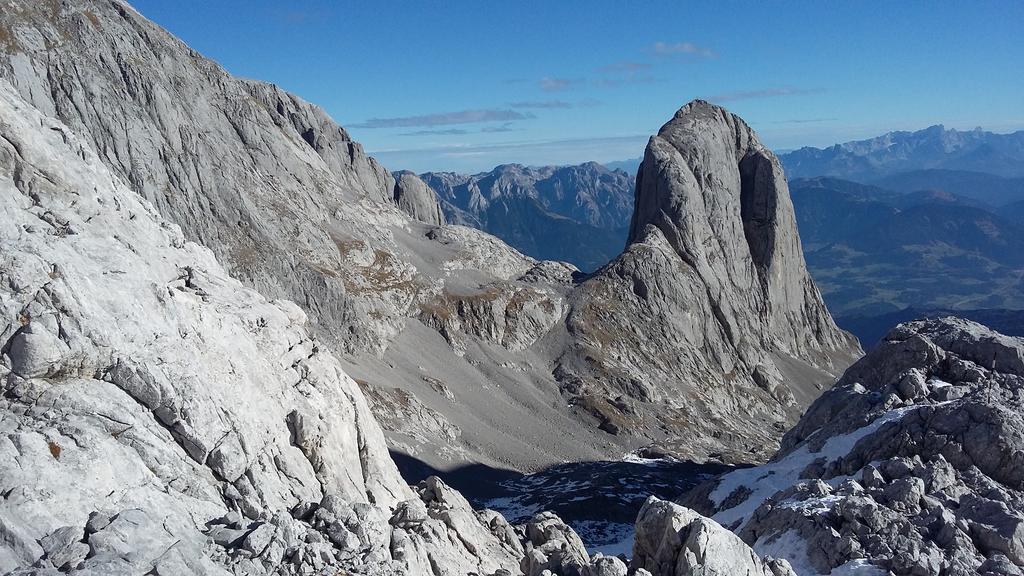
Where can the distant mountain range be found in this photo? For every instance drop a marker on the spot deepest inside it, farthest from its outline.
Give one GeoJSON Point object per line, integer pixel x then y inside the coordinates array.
{"type": "Point", "coordinates": [629, 166]}
{"type": "Point", "coordinates": [578, 214]}
{"type": "Point", "coordinates": [871, 329]}
{"type": "Point", "coordinates": [876, 252]}
{"type": "Point", "coordinates": [932, 148]}
{"type": "Point", "coordinates": [989, 189]}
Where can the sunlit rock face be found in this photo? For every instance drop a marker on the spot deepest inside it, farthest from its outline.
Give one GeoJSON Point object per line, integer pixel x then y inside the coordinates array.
{"type": "Point", "coordinates": [912, 464]}
{"type": "Point", "coordinates": [159, 417]}
{"type": "Point", "coordinates": [709, 314]}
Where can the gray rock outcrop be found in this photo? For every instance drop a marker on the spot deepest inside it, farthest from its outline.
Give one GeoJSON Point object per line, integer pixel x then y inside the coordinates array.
{"type": "Point", "coordinates": [281, 193]}
{"type": "Point", "coordinates": [159, 417]}
{"type": "Point", "coordinates": [712, 283]}
{"type": "Point", "coordinates": [912, 464]}
{"type": "Point", "coordinates": [675, 541]}
{"type": "Point", "coordinates": [553, 547]}
{"type": "Point", "coordinates": [416, 199]}
{"type": "Point", "coordinates": [295, 209]}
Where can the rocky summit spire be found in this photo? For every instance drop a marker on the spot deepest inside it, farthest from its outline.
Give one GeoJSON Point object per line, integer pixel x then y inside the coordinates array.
{"type": "Point", "coordinates": [719, 197]}
{"type": "Point", "coordinates": [710, 310]}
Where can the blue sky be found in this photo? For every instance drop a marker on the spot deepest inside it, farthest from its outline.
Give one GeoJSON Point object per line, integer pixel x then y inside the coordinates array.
{"type": "Point", "coordinates": [467, 85]}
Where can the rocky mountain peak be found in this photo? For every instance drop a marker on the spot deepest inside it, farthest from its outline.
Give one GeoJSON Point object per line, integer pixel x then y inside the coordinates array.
{"type": "Point", "coordinates": [720, 199]}
{"type": "Point", "coordinates": [577, 214]}
{"type": "Point", "coordinates": [460, 342]}
{"type": "Point", "coordinates": [714, 266]}
{"type": "Point", "coordinates": [893, 153]}
{"type": "Point", "coordinates": [711, 143]}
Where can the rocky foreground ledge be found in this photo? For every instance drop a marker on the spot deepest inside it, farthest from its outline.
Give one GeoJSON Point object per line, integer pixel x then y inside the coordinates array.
{"type": "Point", "coordinates": [912, 464]}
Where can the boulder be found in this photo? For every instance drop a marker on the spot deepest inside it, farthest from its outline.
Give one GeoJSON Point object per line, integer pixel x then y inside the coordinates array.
{"type": "Point", "coordinates": [672, 540]}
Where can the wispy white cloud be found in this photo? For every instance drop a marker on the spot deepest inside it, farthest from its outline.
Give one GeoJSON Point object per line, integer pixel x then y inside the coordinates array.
{"type": "Point", "coordinates": [446, 132]}
{"type": "Point", "coordinates": [689, 48]}
{"type": "Point", "coordinates": [624, 66]}
{"type": "Point", "coordinates": [554, 104]}
{"type": "Point", "coordinates": [473, 157]}
{"type": "Point", "coordinates": [447, 118]}
{"type": "Point", "coordinates": [524, 144]}
{"type": "Point", "coordinates": [549, 84]}
{"type": "Point", "coordinates": [506, 127]}
{"type": "Point", "coordinates": [804, 120]}
{"type": "Point", "coordinates": [763, 93]}
{"type": "Point", "coordinates": [631, 78]}
{"type": "Point", "coordinates": [542, 104]}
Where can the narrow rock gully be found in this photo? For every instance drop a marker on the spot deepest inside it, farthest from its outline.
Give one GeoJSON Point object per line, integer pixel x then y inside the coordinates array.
{"type": "Point", "coordinates": [600, 500]}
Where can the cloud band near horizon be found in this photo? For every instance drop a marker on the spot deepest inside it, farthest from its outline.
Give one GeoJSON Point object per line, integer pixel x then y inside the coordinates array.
{"type": "Point", "coordinates": [446, 119]}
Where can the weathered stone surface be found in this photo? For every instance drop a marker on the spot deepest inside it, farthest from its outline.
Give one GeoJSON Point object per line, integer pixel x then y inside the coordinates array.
{"type": "Point", "coordinates": [281, 193]}
{"type": "Point", "coordinates": [294, 208]}
{"type": "Point", "coordinates": [554, 546]}
{"type": "Point", "coordinates": [182, 415]}
{"type": "Point", "coordinates": [890, 470]}
{"type": "Point", "coordinates": [713, 282]}
{"type": "Point", "coordinates": [675, 541]}
{"type": "Point", "coordinates": [416, 199]}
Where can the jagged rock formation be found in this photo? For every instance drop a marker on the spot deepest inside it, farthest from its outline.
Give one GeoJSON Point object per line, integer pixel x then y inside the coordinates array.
{"type": "Point", "coordinates": [713, 283]}
{"type": "Point", "coordinates": [246, 169]}
{"type": "Point", "coordinates": [269, 182]}
{"type": "Point", "coordinates": [578, 214]}
{"type": "Point", "coordinates": [588, 193]}
{"type": "Point", "coordinates": [912, 464]}
{"type": "Point", "coordinates": [158, 417]}
{"type": "Point", "coordinates": [445, 323]}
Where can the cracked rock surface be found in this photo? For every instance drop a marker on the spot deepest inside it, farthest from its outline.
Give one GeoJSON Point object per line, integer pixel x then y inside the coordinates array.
{"type": "Point", "coordinates": [672, 540]}
{"type": "Point", "coordinates": [912, 464]}
{"type": "Point", "coordinates": [295, 209]}
{"type": "Point", "coordinates": [710, 310]}
{"type": "Point", "coordinates": [159, 417]}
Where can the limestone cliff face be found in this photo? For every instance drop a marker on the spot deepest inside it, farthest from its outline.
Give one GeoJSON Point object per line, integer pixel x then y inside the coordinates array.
{"type": "Point", "coordinates": [710, 310]}
{"type": "Point", "coordinates": [288, 203]}
{"type": "Point", "coordinates": [269, 182]}
{"type": "Point", "coordinates": [414, 197]}
{"type": "Point", "coordinates": [720, 199]}
{"type": "Point", "coordinates": [159, 417]}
